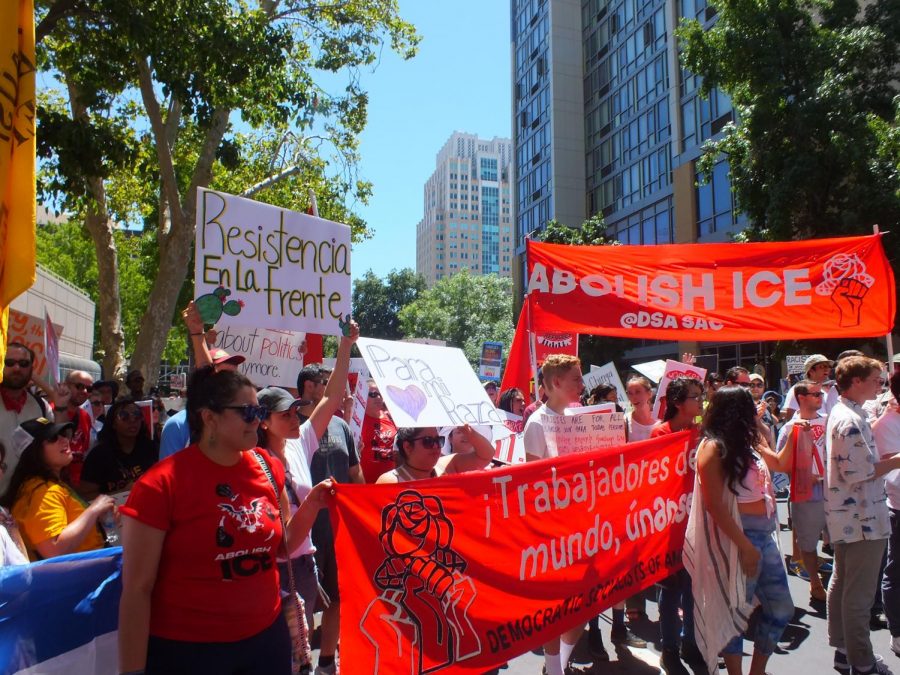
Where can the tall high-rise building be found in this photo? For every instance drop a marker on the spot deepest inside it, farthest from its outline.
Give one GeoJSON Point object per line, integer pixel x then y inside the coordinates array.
{"type": "Point", "coordinates": [467, 222]}
{"type": "Point", "coordinates": [605, 121]}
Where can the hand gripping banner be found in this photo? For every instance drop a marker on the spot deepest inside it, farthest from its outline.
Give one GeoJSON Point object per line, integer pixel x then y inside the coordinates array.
{"type": "Point", "coordinates": [819, 288]}
{"type": "Point", "coordinates": [460, 574]}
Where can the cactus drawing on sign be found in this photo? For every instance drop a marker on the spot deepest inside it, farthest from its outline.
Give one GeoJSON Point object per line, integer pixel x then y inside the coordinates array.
{"type": "Point", "coordinates": [213, 305]}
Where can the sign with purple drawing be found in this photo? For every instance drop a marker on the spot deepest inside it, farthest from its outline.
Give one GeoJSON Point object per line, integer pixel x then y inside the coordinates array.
{"type": "Point", "coordinates": [427, 386]}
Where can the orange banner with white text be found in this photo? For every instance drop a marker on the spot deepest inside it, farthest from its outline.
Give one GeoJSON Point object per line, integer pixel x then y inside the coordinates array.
{"type": "Point", "coordinates": [818, 288]}
{"type": "Point", "coordinates": [460, 574]}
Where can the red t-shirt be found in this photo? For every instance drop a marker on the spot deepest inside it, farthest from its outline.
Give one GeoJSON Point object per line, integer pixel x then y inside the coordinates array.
{"type": "Point", "coordinates": [376, 452]}
{"type": "Point", "coordinates": [217, 579]}
{"type": "Point", "coordinates": [664, 428]}
{"type": "Point", "coordinates": [80, 443]}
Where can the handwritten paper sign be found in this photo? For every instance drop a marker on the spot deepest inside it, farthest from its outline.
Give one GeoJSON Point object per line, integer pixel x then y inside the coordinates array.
{"type": "Point", "coordinates": [427, 386]}
{"type": "Point", "coordinates": [674, 369]}
{"type": "Point", "coordinates": [261, 265]}
{"type": "Point", "coordinates": [51, 349]}
{"type": "Point", "coordinates": [607, 374]}
{"type": "Point", "coordinates": [569, 434]}
{"type": "Point", "coordinates": [795, 364]}
{"type": "Point", "coordinates": [29, 331]}
{"type": "Point", "coordinates": [273, 357]}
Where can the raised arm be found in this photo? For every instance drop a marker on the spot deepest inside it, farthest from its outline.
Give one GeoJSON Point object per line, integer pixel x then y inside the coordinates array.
{"type": "Point", "coordinates": [334, 392]}
{"type": "Point", "coordinates": [191, 317]}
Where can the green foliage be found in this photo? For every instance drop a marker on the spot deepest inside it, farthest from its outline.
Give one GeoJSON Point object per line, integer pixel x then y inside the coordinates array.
{"type": "Point", "coordinates": [66, 250]}
{"type": "Point", "coordinates": [591, 233]}
{"type": "Point", "coordinates": [815, 150]}
{"type": "Point", "coordinates": [377, 302]}
{"type": "Point", "coordinates": [465, 310]}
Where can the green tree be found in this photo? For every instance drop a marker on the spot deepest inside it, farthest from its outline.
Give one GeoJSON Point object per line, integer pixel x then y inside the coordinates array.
{"type": "Point", "coordinates": [465, 310]}
{"type": "Point", "coordinates": [377, 302]}
{"type": "Point", "coordinates": [151, 93]}
{"type": "Point", "coordinates": [815, 150]}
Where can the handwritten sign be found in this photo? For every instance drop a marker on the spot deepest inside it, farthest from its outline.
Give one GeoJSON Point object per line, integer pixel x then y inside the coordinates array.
{"type": "Point", "coordinates": [273, 357]}
{"type": "Point", "coordinates": [674, 369]}
{"type": "Point", "coordinates": [607, 374]}
{"type": "Point", "coordinates": [29, 331]}
{"type": "Point", "coordinates": [795, 364]}
{"type": "Point", "coordinates": [427, 386]}
{"type": "Point", "coordinates": [51, 349]}
{"type": "Point", "coordinates": [261, 265]}
{"type": "Point", "coordinates": [570, 434]}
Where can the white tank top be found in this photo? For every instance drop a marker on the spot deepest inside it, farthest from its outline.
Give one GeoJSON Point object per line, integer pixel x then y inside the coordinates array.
{"type": "Point", "coordinates": [756, 485]}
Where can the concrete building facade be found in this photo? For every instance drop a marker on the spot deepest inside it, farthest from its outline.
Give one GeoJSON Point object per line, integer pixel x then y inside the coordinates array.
{"type": "Point", "coordinates": [467, 221]}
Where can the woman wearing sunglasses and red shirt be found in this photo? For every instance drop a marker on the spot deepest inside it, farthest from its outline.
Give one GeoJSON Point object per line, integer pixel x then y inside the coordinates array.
{"type": "Point", "coordinates": [201, 536]}
{"type": "Point", "coordinates": [419, 455]}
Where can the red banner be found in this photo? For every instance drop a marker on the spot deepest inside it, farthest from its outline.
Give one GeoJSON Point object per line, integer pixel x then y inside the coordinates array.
{"type": "Point", "coordinates": [818, 288]}
{"type": "Point", "coordinates": [462, 574]}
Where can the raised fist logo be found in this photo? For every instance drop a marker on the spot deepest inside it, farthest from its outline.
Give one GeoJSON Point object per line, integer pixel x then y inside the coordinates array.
{"type": "Point", "coordinates": [847, 282]}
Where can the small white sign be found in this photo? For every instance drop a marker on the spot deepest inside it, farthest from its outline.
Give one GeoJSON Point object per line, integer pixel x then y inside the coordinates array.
{"type": "Point", "coordinates": [570, 434]}
{"type": "Point", "coordinates": [273, 357]}
{"type": "Point", "coordinates": [427, 386]}
{"type": "Point", "coordinates": [795, 364]}
{"type": "Point", "coordinates": [607, 374]}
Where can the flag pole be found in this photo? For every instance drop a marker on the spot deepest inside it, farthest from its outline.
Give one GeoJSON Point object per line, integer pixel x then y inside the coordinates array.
{"type": "Point", "coordinates": [532, 346]}
{"type": "Point", "coordinates": [888, 339]}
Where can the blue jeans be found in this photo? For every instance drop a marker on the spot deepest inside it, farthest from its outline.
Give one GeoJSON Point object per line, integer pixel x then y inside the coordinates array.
{"type": "Point", "coordinates": [675, 591]}
{"type": "Point", "coordinates": [770, 585]}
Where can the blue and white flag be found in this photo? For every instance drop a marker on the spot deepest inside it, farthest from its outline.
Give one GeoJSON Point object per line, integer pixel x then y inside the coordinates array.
{"type": "Point", "coordinates": [60, 616]}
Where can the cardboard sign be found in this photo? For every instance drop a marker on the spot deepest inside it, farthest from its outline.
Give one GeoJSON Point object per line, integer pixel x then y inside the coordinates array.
{"type": "Point", "coordinates": [607, 374]}
{"type": "Point", "coordinates": [795, 364]}
{"type": "Point", "coordinates": [459, 576]}
{"type": "Point", "coordinates": [273, 357]}
{"type": "Point", "coordinates": [29, 331]}
{"type": "Point", "coordinates": [491, 361]}
{"type": "Point", "coordinates": [427, 386]}
{"type": "Point", "coordinates": [652, 370]}
{"type": "Point", "coordinates": [674, 369]}
{"type": "Point", "coordinates": [570, 434]}
{"type": "Point", "coordinates": [51, 349]}
{"type": "Point", "coordinates": [261, 265]}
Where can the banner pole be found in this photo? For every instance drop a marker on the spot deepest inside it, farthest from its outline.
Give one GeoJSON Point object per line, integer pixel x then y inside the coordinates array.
{"type": "Point", "coordinates": [532, 350]}
{"type": "Point", "coordinates": [888, 339]}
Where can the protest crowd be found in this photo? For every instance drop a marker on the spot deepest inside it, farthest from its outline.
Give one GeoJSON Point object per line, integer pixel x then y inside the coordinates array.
{"type": "Point", "coordinates": [86, 465]}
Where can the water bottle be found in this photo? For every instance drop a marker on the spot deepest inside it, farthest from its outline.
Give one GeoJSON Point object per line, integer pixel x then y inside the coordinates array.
{"type": "Point", "coordinates": [110, 528]}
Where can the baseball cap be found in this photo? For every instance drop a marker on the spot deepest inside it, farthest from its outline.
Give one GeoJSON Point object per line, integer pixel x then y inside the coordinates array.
{"type": "Point", "coordinates": [815, 360]}
{"type": "Point", "coordinates": [221, 356]}
{"type": "Point", "coordinates": [756, 377]}
{"type": "Point", "coordinates": [39, 429]}
{"type": "Point", "coordinates": [277, 399]}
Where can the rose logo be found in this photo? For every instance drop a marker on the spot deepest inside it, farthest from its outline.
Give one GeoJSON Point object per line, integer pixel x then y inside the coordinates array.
{"type": "Point", "coordinates": [847, 282]}
{"type": "Point", "coordinates": [555, 340]}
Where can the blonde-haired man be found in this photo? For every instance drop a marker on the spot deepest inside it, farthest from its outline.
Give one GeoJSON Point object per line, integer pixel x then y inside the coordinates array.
{"type": "Point", "coordinates": [563, 385]}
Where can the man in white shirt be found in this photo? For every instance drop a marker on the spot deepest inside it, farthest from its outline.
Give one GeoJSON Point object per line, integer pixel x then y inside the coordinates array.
{"type": "Point", "coordinates": [563, 385]}
{"type": "Point", "coordinates": [887, 440]}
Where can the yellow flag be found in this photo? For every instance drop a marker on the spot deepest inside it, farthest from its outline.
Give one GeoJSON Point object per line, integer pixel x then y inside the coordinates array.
{"type": "Point", "coordinates": [17, 154]}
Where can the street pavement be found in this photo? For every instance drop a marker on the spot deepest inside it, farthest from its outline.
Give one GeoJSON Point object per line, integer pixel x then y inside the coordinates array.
{"type": "Point", "coordinates": [802, 650]}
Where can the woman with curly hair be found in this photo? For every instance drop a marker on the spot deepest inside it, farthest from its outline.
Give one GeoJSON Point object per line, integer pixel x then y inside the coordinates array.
{"type": "Point", "coordinates": [732, 533]}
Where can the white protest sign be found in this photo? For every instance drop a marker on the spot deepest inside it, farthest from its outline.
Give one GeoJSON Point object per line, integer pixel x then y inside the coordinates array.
{"type": "Point", "coordinates": [273, 357]}
{"type": "Point", "coordinates": [357, 365]}
{"type": "Point", "coordinates": [795, 364]}
{"type": "Point", "coordinates": [510, 450]}
{"type": "Point", "coordinates": [261, 265]}
{"type": "Point", "coordinates": [360, 398]}
{"type": "Point", "coordinates": [427, 386]}
{"type": "Point", "coordinates": [652, 370]}
{"type": "Point", "coordinates": [607, 374]}
{"type": "Point", "coordinates": [568, 434]}
{"type": "Point", "coordinates": [674, 369]}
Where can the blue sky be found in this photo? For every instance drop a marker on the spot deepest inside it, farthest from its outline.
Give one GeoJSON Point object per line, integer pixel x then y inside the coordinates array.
{"type": "Point", "coordinates": [459, 81]}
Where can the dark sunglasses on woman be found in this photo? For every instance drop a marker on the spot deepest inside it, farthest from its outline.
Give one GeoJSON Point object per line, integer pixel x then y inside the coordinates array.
{"type": "Point", "coordinates": [430, 442]}
{"type": "Point", "coordinates": [132, 414]}
{"type": "Point", "coordinates": [249, 412]}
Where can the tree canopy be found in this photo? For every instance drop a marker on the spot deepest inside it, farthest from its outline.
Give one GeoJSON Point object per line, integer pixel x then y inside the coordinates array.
{"type": "Point", "coordinates": [377, 302]}
{"type": "Point", "coordinates": [156, 99]}
{"type": "Point", "coordinates": [465, 310]}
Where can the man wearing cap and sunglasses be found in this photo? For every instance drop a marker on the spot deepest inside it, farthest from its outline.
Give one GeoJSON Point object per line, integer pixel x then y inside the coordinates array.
{"type": "Point", "coordinates": [17, 403]}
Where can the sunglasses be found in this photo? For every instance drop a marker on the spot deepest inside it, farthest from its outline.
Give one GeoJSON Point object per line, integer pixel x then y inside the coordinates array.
{"type": "Point", "coordinates": [249, 413]}
{"type": "Point", "coordinates": [80, 386]}
{"type": "Point", "coordinates": [756, 385]}
{"type": "Point", "coordinates": [22, 363]}
{"type": "Point", "coordinates": [430, 442]}
{"type": "Point", "coordinates": [125, 415]}
{"type": "Point", "coordinates": [374, 394]}
{"type": "Point", "coordinates": [817, 394]}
